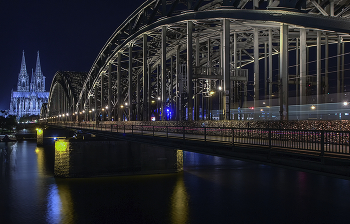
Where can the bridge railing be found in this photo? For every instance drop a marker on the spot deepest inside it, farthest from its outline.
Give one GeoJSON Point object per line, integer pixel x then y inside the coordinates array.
{"type": "Point", "coordinates": [319, 141]}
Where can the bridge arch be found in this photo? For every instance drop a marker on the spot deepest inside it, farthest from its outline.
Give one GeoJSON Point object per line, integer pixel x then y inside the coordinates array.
{"type": "Point", "coordinates": [64, 92]}
{"type": "Point", "coordinates": [168, 58]}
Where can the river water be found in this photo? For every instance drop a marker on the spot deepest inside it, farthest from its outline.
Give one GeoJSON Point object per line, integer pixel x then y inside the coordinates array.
{"type": "Point", "coordinates": [209, 190]}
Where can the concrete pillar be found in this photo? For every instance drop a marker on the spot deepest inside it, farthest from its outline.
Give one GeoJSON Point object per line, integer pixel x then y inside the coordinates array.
{"type": "Point", "coordinates": [283, 72]}
{"type": "Point", "coordinates": [189, 71]}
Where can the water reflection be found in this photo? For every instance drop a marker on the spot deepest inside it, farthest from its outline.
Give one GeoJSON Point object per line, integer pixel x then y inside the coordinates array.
{"type": "Point", "coordinates": [209, 190]}
{"type": "Point", "coordinates": [54, 205]}
{"type": "Point", "coordinates": [179, 202]}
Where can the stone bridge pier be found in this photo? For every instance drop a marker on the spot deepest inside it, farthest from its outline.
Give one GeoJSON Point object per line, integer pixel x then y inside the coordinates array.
{"type": "Point", "coordinates": [83, 156]}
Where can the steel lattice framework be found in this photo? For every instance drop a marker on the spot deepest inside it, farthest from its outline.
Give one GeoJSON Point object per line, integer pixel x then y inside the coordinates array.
{"type": "Point", "coordinates": [177, 55]}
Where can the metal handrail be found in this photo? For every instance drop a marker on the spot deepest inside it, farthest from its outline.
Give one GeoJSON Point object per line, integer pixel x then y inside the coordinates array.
{"type": "Point", "coordinates": [320, 141]}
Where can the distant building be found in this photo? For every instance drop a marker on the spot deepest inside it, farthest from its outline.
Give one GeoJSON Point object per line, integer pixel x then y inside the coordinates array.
{"type": "Point", "coordinates": [29, 97]}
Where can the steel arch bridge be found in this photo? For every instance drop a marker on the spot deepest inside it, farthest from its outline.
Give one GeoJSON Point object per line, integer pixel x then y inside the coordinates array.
{"type": "Point", "coordinates": [178, 59]}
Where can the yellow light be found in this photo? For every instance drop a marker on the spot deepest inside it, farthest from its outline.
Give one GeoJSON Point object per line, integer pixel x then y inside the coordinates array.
{"type": "Point", "coordinates": [89, 111]}
{"type": "Point", "coordinates": [121, 106]}
{"type": "Point", "coordinates": [103, 109]}
{"type": "Point", "coordinates": [211, 92]}
{"type": "Point", "coordinates": [220, 88]}
{"type": "Point", "coordinates": [36, 150]}
{"type": "Point", "coordinates": [313, 107]}
{"type": "Point", "coordinates": [61, 146]}
{"type": "Point", "coordinates": [153, 101]}
{"type": "Point", "coordinates": [39, 131]}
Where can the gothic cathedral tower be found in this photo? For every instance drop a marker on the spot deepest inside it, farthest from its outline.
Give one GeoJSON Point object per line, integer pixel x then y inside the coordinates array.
{"type": "Point", "coordinates": [23, 77]}
{"type": "Point", "coordinates": [38, 79]}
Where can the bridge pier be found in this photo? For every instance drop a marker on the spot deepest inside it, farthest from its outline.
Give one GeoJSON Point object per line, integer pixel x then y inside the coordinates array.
{"type": "Point", "coordinates": [78, 158]}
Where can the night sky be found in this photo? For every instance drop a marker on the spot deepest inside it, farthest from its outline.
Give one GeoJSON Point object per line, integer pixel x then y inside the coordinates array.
{"type": "Point", "coordinates": [69, 34]}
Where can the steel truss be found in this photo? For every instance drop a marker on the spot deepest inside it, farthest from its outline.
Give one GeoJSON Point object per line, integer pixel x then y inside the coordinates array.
{"type": "Point", "coordinates": [179, 55]}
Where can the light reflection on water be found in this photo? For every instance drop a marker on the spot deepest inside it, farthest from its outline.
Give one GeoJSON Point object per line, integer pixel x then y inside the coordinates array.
{"type": "Point", "coordinates": [54, 205]}
{"type": "Point", "coordinates": [209, 190]}
{"type": "Point", "coordinates": [179, 202]}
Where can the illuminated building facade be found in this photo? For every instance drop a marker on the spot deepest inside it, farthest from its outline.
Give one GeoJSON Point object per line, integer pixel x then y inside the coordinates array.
{"type": "Point", "coordinates": [30, 96]}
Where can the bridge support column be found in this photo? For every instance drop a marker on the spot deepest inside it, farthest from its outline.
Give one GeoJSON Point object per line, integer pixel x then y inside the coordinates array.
{"type": "Point", "coordinates": [179, 88]}
{"type": "Point", "coordinates": [235, 87]}
{"type": "Point", "coordinates": [302, 71]}
{"type": "Point", "coordinates": [95, 101]}
{"type": "Point", "coordinates": [109, 109]}
{"type": "Point", "coordinates": [145, 95]}
{"type": "Point", "coordinates": [226, 70]}
{"type": "Point", "coordinates": [318, 73]}
{"type": "Point", "coordinates": [196, 82]}
{"type": "Point", "coordinates": [284, 72]}
{"type": "Point", "coordinates": [189, 71]}
{"type": "Point", "coordinates": [119, 101]}
{"type": "Point", "coordinates": [208, 81]}
{"type": "Point", "coordinates": [326, 64]}
{"type": "Point", "coordinates": [130, 92]}
{"type": "Point", "coordinates": [256, 73]}
{"type": "Point", "coordinates": [163, 75]}
{"type": "Point", "coordinates": [270, 71]}
{"type": "Point", "coordinates": [338, 69]}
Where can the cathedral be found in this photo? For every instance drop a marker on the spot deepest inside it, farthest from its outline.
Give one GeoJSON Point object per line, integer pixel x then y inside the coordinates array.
{"type": "Point", "coordinates": [30, 96]}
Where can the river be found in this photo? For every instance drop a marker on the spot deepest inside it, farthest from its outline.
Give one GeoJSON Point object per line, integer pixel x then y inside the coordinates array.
{"type": "Point", "coordinates": [210, 190]}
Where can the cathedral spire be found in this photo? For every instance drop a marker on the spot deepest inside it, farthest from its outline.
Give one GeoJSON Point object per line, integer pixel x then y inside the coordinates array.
{"type": "Point", "coordinates": [23, 66]}
{"type": "Point", "coordinates": [23, 78]}
{"type": "Point", "coordinates": [38, 66]}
